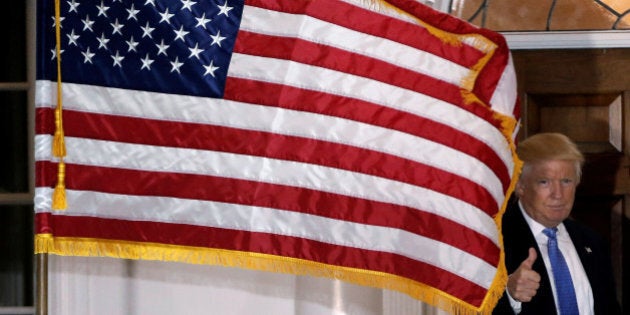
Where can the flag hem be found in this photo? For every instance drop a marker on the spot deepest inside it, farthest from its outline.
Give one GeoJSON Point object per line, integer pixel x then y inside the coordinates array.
{"type": "Point", "coordinates": [91, 247]}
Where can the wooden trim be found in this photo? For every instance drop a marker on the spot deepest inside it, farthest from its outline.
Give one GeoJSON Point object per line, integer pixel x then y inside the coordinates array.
{"type": "Point", "coordinates": [567, 39]}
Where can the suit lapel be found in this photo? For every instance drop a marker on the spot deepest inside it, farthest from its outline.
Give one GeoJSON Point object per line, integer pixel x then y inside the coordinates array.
{"type": "Point", "coordinates": [518, 239]}
{"type": "Point", "coordinates": [582, 245]}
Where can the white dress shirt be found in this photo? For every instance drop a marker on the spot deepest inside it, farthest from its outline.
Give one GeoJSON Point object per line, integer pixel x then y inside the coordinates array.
{"type": "Point", "coordinates": [583, 292]}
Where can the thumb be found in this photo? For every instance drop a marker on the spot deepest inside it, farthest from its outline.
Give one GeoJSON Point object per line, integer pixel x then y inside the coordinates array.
{"type": "Point", "coordinates": [529, 261]}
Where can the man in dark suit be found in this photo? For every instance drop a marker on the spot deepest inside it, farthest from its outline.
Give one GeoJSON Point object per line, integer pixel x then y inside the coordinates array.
{"type": "Point", "coordinates": [536, 223]}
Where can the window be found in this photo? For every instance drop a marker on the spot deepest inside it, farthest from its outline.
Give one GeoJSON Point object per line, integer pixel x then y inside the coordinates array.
{"type": "Point", "coordinates": [16, 170]}
{"type": "Point", "coordinates": [545, 15]}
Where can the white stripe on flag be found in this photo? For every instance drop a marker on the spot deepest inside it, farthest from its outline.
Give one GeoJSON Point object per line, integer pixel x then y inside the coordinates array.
{"type": "Point", "coordinates": [113, 101]}
{"type": "Point", "coordinates": [276, 23]}
{"type": "Point", "coordinates": [190, 161]}
{"type": "Point", "coordinates": [505, 95]}
{"type": "Point", "coordinates": [268, 220]}
{"type": "Point", "coordinates": [340, 83]}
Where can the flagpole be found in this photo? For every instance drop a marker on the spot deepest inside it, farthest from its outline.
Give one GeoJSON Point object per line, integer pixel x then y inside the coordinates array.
{"type": "Point", "coordinates": [41, 301]}
{"type": "Point", "coordinates": [41, 260]}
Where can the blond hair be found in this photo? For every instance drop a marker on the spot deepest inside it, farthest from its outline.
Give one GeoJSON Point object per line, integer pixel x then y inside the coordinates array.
{"type": "Point", "coordinates": [550, 146]}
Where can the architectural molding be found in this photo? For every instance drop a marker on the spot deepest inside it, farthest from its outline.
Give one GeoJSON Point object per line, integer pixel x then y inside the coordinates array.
{"type": "Point", "coordinates": [567, 39]}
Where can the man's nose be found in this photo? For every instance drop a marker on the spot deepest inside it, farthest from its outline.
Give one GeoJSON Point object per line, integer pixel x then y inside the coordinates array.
{"type": "Point", "coordinates": [556, 190]}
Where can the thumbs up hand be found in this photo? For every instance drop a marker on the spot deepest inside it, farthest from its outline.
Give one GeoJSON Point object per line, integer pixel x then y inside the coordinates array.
{"type": "Point", "coordinates": [524, 282]}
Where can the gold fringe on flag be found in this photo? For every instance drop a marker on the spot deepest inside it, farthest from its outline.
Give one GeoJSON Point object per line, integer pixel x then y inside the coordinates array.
{"type": "Point", "coordinates": [89, 247]}
{"type": "Point", "coordinates": [59, 146]}
{"type": "Point", "coordinates": [478, 41]}
{"type": "Point", "coordinates": [497, 287]}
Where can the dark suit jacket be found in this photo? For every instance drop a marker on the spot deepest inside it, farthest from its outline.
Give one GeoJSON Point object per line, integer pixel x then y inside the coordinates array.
{"type": "Point", "coordinates": [595, 257]}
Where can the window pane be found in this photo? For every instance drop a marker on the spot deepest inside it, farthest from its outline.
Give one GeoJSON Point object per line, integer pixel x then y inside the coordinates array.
{"type": "Point", "coordinates": [13, 128]}
{"type": "Point", "coordinates": [544, 15]}
{"type": "Point", "coordinates": [13, 58]}
{"type": "Point", "coordinates": [16, 259]}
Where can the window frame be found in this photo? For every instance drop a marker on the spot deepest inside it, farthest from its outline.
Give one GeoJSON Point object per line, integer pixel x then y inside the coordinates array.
{"type": "Point", "coordinates": [25, 198]}
{"type": "Point", "coordinates": [567, 39]}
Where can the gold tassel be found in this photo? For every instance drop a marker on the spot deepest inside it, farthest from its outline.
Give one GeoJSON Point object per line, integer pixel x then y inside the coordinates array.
{"type": "Point", "coordinates": [59, 146]}
{"type": "Point", "coordinates": [59, 195]}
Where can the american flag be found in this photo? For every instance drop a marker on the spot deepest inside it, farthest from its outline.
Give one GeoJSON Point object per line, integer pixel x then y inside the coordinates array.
{"type": "Point", "coordinates": [365, 140]}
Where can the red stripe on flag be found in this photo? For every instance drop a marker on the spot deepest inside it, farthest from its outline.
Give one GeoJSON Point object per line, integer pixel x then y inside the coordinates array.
{"type": "Point", "coordinates": [251, 193]}
{"type": "Point", "coordinates": [349, 62]}
{"type": "Point", "coordinates": [329, 104]}
{"type": "Point", "coordinates": [379, 25]}
{"type": "Point", "coordinates": [225, 139]}
{"type": "Point", "coordinates": [491, 73]}
{"type": "Point", "coordinates": [264, 243]}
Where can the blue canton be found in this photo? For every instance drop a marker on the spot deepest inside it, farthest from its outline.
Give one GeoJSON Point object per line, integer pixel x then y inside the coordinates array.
{"type": "Point", "coordinates": [171, 46]}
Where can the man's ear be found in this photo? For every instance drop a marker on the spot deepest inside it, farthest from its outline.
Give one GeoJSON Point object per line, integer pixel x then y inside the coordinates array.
{"type": "Point", "coordinates": [519, 189]}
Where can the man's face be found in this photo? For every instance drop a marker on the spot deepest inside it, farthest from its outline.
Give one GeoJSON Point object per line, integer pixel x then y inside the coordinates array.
{"type": "Point", "coordinates": [547, 191]}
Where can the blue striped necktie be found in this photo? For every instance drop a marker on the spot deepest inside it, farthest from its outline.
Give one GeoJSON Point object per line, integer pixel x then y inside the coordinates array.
{"type": "Point", "coordinates": [564, 285]}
